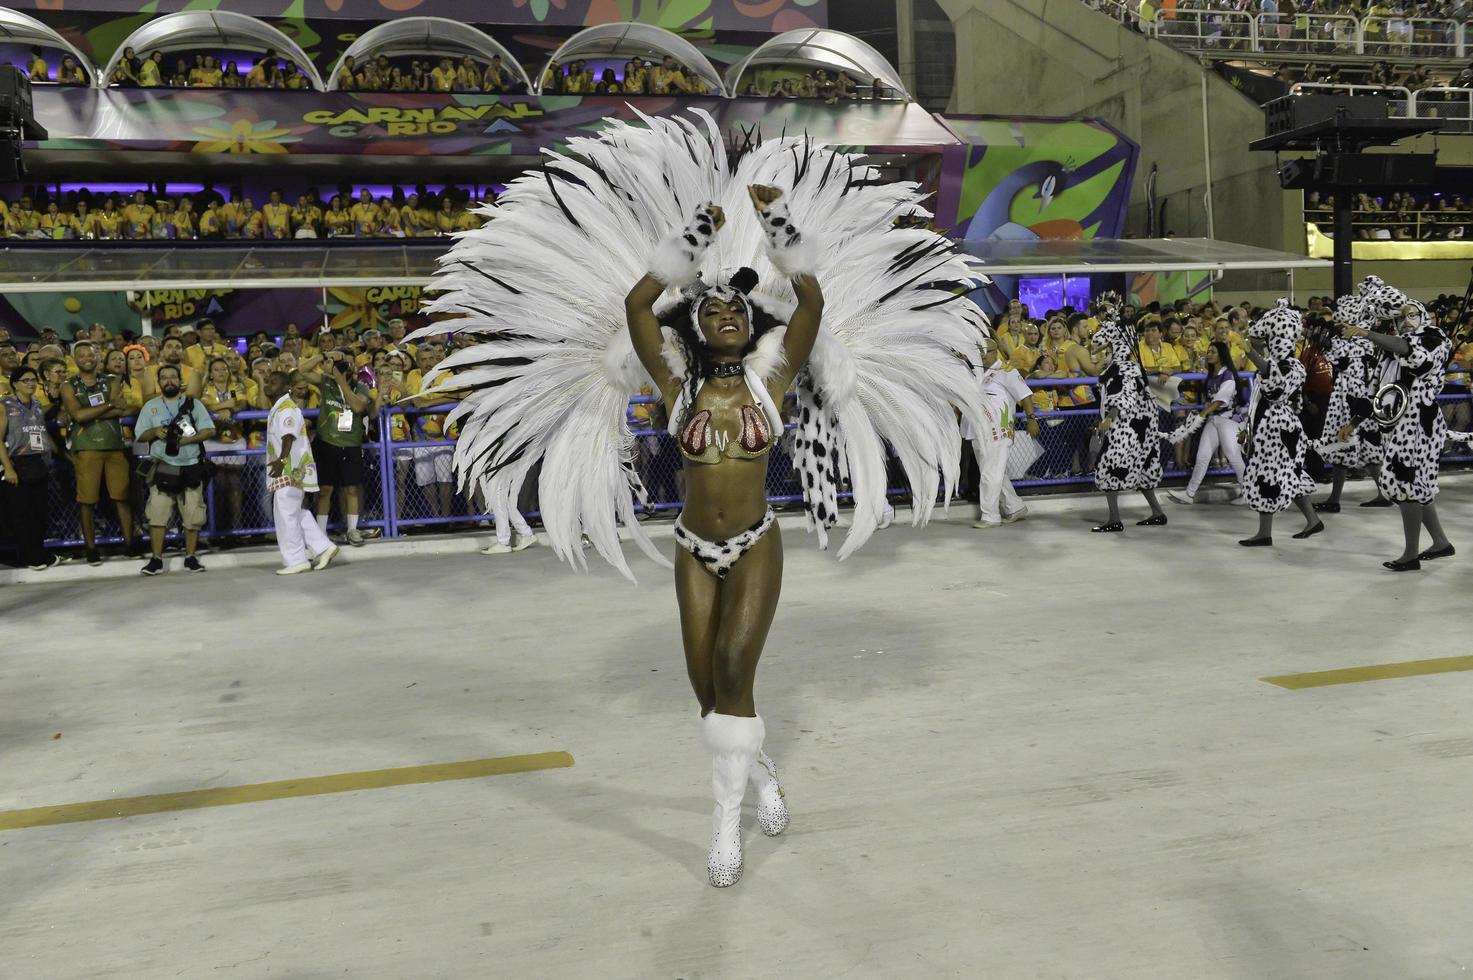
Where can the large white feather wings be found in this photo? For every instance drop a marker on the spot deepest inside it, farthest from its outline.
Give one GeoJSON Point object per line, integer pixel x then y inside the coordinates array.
{"type": "Point", "coordinates": [546, 278]}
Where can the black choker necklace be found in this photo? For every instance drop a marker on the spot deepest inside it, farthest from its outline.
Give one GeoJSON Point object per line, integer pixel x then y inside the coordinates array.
{"type": "Point", "coordinates": [730, 370]}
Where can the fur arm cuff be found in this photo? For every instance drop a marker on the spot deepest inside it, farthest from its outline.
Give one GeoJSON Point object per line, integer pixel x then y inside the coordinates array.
{"type": "Point", "coordinates": [677, 260]}
{"type": "Point", "coordinates": [794, 253]}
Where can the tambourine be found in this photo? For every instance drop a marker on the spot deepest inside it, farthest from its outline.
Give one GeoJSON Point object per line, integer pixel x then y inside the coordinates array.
{"type": "Point", "coordinates": [1390, 404]}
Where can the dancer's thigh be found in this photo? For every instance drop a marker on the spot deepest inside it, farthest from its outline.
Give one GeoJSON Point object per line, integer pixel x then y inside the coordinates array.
{"type": "Point", "coordinates": [748, 600]}
{"type": "Point", "coordinates": [697, 592]}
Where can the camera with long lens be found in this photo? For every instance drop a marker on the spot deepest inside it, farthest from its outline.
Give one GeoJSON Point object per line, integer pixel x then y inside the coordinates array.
{"type": "Point", "coordinates": [1322, 331]}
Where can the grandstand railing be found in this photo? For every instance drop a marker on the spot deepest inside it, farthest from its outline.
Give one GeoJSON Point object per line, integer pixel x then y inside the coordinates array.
{"type": "Point", "coordinates": [1403, 103]}
{"type": "Point", "coordinates": [1450, 104]}
{"type": "Point", "coordinates": [398, 499]}
{"type": "Point", "coordinates": [1328, 34]}
{"type": "Point", "coordinates": [1420, 225]}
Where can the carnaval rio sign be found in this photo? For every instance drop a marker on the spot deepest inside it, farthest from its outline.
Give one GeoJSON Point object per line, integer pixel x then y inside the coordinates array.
{"type": "Point", "coordinates": [425, 121]}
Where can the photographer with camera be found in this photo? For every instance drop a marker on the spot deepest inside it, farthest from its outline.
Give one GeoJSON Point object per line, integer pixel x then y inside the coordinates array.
{"type": "Point", "coordinates": [338, 445]}
{"type": "Point", "coordinates": [175, 425]}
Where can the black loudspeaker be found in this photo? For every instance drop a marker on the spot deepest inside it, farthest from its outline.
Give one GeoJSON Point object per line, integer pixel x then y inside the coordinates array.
{"type": "Point", "coordinates": [1379, 170]}
{"type": "Point", "coordinates": [11, 165]}
{"type": "Point", "coordinates": [1298, 111]}
{"type": "Point", "coordinates": [15, 96]}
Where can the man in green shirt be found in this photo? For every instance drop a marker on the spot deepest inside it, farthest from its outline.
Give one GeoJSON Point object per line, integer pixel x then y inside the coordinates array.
{"type": "Point", "coordinates": [95, 402]}
{"type": "Point", "coordinates": [338, 444]}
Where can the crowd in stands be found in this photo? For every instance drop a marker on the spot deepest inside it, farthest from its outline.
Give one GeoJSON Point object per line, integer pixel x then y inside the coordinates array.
{"type": "Point", "coordinates": [817, 85]}
{"type": "Point", "coordinates": [639, 77]}
{"type": "Point", "coordinates": [209, 216]}
{"type": "Point", "coordinates": [1400, 216]}
{"type": "Point", "coordinates": [380, 74]}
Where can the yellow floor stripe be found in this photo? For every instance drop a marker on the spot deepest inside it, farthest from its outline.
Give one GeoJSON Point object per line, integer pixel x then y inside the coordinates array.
{"type": "Point", "coordinates": [1379, 672]}
{"type": "Point", "coordinates": [343, 782]}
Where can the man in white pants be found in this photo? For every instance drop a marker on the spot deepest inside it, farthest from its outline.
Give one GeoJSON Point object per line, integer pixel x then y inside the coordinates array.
{"type": "Point", "coordinates": [1003, 388]}
{"type": "Point", "coordinates": [291, 475]}
{"type": "Point", "coordinates": [508, 518]}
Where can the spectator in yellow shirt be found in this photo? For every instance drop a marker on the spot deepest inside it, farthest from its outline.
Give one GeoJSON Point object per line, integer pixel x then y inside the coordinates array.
{"type": "Point", "coordinates": [171, 351]}
{"type": "Point", "coordinates": [108, 223]}
{"type": "Point", "coordinates": [389, 218]}
{"type": "Point", "coordinates": [1026, 351]}
{"type": "Point", "coordinates": [36, 67]}
{"type": "Point", "coordinates": [22, 220]}
{"type": "Point", "coordinates": [495, 79]}
{"type": "Point", "coordinates": [306, 215]}
{"type": "Point", "coordinates": [211, 225]}
{"type": "Point", "coordinates": [209, 347]}
{"type": "Point", "coordinates": [442, 78]}
{"type": "Point", "coordinates": [70, 73]}
{"type": "Point", "coordinates": [184, 220]}
{"type": "Point", "coordinates": [54, 224]}
{"type": "Point", "coordinates": [294, 78]}
{"type": "Point", "coordinates": [151, 72]}
{"type": "Point", "coordinates": [1157, 356]}
{"type": "Point", "coordinates": [347, 78]}
{"type": "Point", "coordinates": [277, 217]}
{"type": "Point", "coordinates": [367, 219]}
{"type": "Point", "coordinates": [336, 221]}
{"type": "Point", "coordinates": [411, 218]}
{"type": "Point", "coordinates": [634, 78]}
{"type": "Point", "coordinates": [263, 72]}
{"type": "Point", "coordinates": [250, 222]}
{"type": "Point", "coordinates": [82, 222]}
{"type": "Point", "coordinates": [1223, 334]}
{"type": "Point", "coordinates": [468, 76]}
{"type": "Point", "coordinates": [138, 217]}
{"type": "Point", "coordinates": [552, 79]}
{"type": "Point", "coordinates": [467, 220]}
{"type": "Point", "coordinates": [445, 217]}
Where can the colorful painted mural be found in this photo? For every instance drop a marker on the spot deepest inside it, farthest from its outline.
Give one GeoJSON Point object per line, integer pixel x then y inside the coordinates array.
{"type": "Point", "coordinates": [768, 16]}
{"type": "Point", "coordinates": [382, 124]}
{"type": "Point", "coordinates": [1022, 178]}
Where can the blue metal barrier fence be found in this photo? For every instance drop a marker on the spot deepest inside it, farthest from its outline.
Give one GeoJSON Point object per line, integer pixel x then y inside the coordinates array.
{"type": "Point", "coordinates": [408, 485]}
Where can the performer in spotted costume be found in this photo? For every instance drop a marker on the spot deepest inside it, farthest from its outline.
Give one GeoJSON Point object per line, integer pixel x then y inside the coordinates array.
{"type": "Point", "coordinates": [1129, 424]}
{"type": "Point", "coordinates": [1276, 478]}
{"type": "Point", "coordinates": [1353, 360]}
{"type": "Point", "coordinates": [1417, 355]}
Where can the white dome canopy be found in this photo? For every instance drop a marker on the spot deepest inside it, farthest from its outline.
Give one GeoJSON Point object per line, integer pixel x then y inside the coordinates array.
{"type": "Point", "coordinates": [435, 36]}
{"type": "Point", "coordinates": [22, 29]}
{"type": "Point", "coordinates": [820, 48]}
{"type": "Point", "coordinates": [205, 28]}
{"type": "Point", "coordinates": [625, 40]}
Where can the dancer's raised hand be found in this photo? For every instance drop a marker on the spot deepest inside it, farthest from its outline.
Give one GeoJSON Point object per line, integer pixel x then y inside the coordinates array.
{"type": "Point", "coordinates": [763, 196]}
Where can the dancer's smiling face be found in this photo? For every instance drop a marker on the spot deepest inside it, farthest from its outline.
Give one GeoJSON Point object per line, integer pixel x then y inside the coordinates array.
{"type": "Point", "coordinates": [724, 326]}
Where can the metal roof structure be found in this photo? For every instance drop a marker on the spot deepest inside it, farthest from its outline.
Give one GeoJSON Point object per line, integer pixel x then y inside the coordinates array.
{"type": "Point", "coordinates": [1096, 256]}
{"type": "Point", "coordinates": [437, 36]}
{"type": "Point", "coordinates": [820, 48]}
{"type": "Point", "coordinates": [212, 28]}
{"type": "Point", "coordinates": [625, 40]}
{"type": "Point", "coordinates": [19, 28]}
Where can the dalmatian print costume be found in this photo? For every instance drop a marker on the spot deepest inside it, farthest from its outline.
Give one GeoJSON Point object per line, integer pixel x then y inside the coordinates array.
{"type": "Point", "coordinates": [1411, 446]}
{"type": "Point", "coordinates": [1275, 476]}
{"type": "Point", "coordinates": [1132, 456]}
{"type": "Point", "coordinates": [1353, 360]}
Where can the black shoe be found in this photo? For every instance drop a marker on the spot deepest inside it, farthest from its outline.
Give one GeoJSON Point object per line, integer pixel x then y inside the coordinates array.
{"type": "Point", "coordinates": [93, 558]}
{"type": "Point", "coordinates": [1377, 502]}
{"type": "Point", "coordinates": [1434, 553]}
{"type": "Point", "coordinates": [1310, 532]}
{"type": "Point", "coordinates": [1325, 507]}
{"type": "Point", "coordinates": [1110, 528]}
{"type": "Point", "coordinates": [1155, 520]}
{"type": "Point", "coordinates": [1403, 566]}
{"type": "Point", "coordinates": [191, 564]}
{"type": "Point", "coordinates": [155, 566]}
{"type": "Point", "coordinates": [1267, 542]}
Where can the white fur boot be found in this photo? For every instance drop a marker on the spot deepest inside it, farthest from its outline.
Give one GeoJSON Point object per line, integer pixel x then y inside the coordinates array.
{"type": "Point", "coordinates": [734, 743]}
{"type": "Point", "coordinates": [772, 809]}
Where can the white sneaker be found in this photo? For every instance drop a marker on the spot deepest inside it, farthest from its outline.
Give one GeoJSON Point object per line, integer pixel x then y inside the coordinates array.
{"type": "Point", "coordinates": [305, 566]}
{"type": "Point", "coordinates": [1021, 514]}
{"type": "Point", "coordinates": [325, 559]}
{"type": "Point", "coordinates": [1181, 496]}
{"type": "Point", "coordinates": [523, 543]}
{"type": "Point", "coordinates": [497, 549]}
{"type": "Point", "coordinates": [983, 525]}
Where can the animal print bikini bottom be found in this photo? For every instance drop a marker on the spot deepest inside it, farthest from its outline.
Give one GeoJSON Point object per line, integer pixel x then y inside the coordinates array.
{"type": "Point", "coordinates": [718, 557]}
